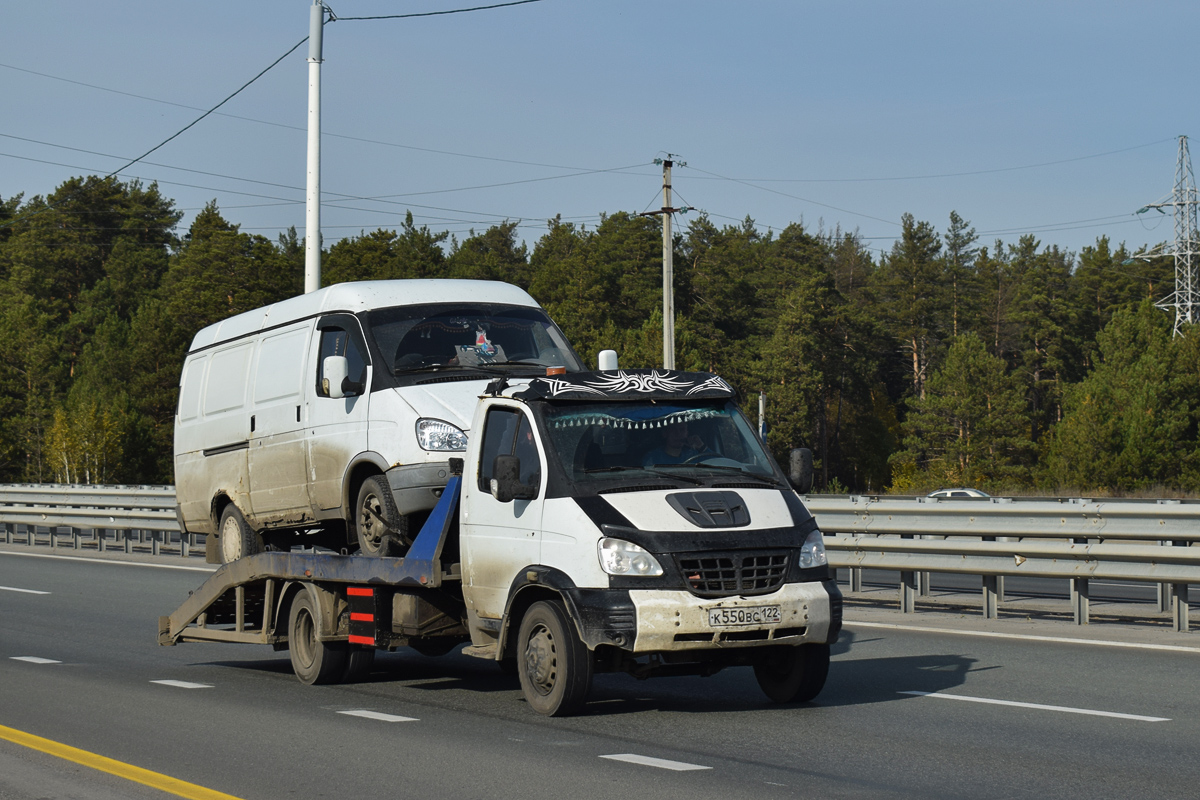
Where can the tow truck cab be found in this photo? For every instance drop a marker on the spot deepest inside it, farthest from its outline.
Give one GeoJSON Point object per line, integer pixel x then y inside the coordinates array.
{"type": "Point", "coordinates": [632, 520]}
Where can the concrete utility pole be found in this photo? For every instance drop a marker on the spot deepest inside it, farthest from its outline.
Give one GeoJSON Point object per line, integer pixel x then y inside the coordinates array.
{"type": "Point", "coordinates": [668, 261]}
{"type": "Point", "coordinates": [1186, 247]}
{"type": "Point", "coordinates": [312, 200]}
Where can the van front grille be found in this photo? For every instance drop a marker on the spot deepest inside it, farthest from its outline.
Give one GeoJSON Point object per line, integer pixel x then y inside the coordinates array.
{"type": "Point", "coordinates": [737, 573]}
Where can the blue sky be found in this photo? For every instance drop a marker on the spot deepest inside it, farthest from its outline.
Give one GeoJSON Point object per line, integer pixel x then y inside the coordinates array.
{"type": "Point", "coordinates": [842, 114]}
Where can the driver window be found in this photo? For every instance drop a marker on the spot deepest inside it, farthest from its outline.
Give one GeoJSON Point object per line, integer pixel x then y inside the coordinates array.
{"type": "Point", "coordinates": [339, 342]}
{"type": "Point", "coordinates": [508, 432]}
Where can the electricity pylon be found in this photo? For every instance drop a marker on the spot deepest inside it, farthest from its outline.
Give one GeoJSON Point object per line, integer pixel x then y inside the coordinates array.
{"type": "Point", "coordinates": [1186, 247]}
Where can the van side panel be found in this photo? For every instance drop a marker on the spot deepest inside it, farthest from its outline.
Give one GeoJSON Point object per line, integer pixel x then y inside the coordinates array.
{"type": "Point", "coordinates": [189, 443]}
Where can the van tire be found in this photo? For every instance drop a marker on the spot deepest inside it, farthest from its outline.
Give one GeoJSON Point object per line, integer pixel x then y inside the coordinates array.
{"type": "Point", "coordinates": [793, 674]}
{"type": "Point", "coordinates": [313, 661]}
{"type": "Point", "coordinates": [554, 666]}
{"type": "Point", "coordinates": [381, 529]}
{"type": "Point", "coordinates": [359, 660]}
{"type": "Point", "coordinates": [237, 539]}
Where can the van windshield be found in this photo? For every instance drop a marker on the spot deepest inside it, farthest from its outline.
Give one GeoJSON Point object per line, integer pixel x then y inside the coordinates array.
{"type": "Point", "coordinates": [447, 335]}
{"type": "Point", "coordinates": [619, 441]}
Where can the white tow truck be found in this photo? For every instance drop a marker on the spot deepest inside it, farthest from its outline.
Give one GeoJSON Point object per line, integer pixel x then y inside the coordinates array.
{"type": "Point", "coordinates": [608, 521]}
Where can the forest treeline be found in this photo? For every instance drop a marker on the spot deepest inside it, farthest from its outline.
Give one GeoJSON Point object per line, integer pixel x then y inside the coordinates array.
{"type": "Point", "coordinates": [942, 361]}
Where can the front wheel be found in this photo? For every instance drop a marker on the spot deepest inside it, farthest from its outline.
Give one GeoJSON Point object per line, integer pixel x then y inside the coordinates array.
{"type": "Point", "coordinates": [313, 661]}
{"type": "Point", "coordinates": [238, 540]}
{"type": "Point", "coordinates": [554, 666]}
{"type": "Point", "coordinates": [793, 674]}
{"type": "Point", "coordinates": [381, 529]}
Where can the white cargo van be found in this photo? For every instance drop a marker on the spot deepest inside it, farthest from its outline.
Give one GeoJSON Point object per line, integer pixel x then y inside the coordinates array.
{"type": "Point", "coordinates": [329, 419]}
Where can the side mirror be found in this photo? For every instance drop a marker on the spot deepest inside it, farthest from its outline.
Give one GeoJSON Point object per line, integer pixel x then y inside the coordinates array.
{"type": "Point", "coordinates": [335, 370]}
{"type": "Point", "coordinates": [506, 480]}
{"type": "Point", "coordinates": [800, 469]}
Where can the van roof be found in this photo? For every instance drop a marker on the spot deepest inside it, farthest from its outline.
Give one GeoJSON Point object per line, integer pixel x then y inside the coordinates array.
{"type": "Point", "coordinates": [360, 296]}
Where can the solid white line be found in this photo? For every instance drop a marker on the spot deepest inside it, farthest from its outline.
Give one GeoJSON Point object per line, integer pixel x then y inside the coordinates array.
{"type": "Point", "coordinates": [362, 712]}
{"type": "Point", "coordinates": [22, 591]}
{"type": "Point", "coordinates": [1027, 637]}
{"type": "Point", "coordinates": [35, 659]}
{"type": "Point", "coordinates": [107, 561]}
{"type": "Point", "coordinates": [184, 684]}
{"type": "Point", "coordinates": [1039, 706]}
{"type": "Point", "coordinates": [661, 763]}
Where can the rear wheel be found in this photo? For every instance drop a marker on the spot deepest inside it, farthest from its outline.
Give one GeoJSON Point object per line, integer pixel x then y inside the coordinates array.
{"type": "Point", "coordinates": [359, 660]}
{"type": "Point", "coordinates": [237, 538]}
{"type": "Point", "coordinates": [793, 674]}
{"type": "Point", "coordinates": [380, 528]}
{"type": "Point", "coordinates": [554, 666]}
{"type": "Point", "coordinates": [313, 661]}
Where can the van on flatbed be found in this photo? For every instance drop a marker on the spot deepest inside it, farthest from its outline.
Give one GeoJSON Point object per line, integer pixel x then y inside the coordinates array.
{"type": "Point", "coordinates": [273, 449]}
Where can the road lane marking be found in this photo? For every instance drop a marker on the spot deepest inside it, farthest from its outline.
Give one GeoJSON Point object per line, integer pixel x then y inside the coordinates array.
{"type": "Point", "coordinates": [1040, 707]}
{"type": "Point", "coordinates": [107, 561]}
{"type": "Point", "coordinates": [365, 714]}
{"type": "Point", "coordinates": [35, 660]}
{"type": "Point", "coordinates": [22, 591]}
{"type": "Point", "coordinates": [184, 684]}
{"type": "Point", "coordinates": [1025, 636]}
{"type": "Point", "coordinates": [119, 768]}
{"type": "Point", "coordinates": [661, 763]}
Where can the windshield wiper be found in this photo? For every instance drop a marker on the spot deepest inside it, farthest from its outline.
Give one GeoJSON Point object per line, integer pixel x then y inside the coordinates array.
{"type": "Point", "coordinates": [725, 468]}
{"type": "Point", "coordinates": [622, 468]}
{"type": "Point", "coordinates": [484, 368]}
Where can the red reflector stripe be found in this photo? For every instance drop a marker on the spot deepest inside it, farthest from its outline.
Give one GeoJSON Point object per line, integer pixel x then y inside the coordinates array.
{"type": "Point", "coordinates": [359, 591]}
{"type": "Point", "coordinates": [362, 640]}
{"type": "Point", "coordinates": [362, 617]}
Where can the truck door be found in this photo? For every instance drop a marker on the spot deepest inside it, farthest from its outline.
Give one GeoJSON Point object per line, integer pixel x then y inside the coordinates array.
{"type": "Point", "coordinates": [501, 539]}
{"type": "Point", "coordinates": [278, 483]}
{"type": "Point", "coordinates": [337, 427]}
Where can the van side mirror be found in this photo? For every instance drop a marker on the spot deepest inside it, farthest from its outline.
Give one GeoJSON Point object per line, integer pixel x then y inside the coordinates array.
{"type": "Point", "coordinates": [800, 469]}
{"type": "Point", "coordinates": [335, 369]}
{"type": "Point", "coordinates": [506, 480]}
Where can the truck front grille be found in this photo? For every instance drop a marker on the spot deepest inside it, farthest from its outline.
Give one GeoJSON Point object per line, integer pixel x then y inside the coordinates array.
{"type": "Point", "coordinates": [738, 573]}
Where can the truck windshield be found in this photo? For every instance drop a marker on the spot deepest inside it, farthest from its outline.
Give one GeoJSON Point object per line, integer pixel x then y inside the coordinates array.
{"type": "Point", "coordinates": [616, 441]}
{"type": "Point", "coordinates": [426, 337]}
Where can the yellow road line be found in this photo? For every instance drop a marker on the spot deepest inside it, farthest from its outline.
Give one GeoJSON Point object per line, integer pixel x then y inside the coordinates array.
{"type": "Point", "coordinates": [113, 767]}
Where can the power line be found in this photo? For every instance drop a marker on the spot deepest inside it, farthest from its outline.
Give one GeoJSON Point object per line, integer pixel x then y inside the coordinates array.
{"type": "Point", "coordinates": [334, 18]}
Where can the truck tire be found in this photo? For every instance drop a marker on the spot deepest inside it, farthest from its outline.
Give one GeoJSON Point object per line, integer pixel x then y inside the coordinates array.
{"type": "Point", "coordinates": [237, 540]}
{"type": "Point", "coordinates": [793, 674]}
{"type": "Point", "coordinates": [554, 666]}
{"type": "Point", "coordinates": [313, 661]}
{"type": "Point", "coordinates": [380, 528]}
{"type": "Point", "coordinates": [359, 660]}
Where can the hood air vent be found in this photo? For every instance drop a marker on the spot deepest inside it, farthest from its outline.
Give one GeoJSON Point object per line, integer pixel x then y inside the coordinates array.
{"type": "Point", "coordinates": [711, 509]}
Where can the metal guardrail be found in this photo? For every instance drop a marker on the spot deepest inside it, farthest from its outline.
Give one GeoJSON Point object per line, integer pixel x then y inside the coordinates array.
{"type": "Point", "coordinates": [1075, 539]}
{"type": "Point", "coordinates": [132, 518]}
{"type": "Point", "coordinates": [1112, 539]}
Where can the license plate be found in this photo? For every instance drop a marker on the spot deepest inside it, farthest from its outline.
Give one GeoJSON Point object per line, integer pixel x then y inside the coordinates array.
{"type": "Point", "coordinates": [743, 615]}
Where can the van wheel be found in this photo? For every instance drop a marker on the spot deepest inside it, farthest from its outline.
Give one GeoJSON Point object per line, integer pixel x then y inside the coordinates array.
{"type": "Point", "coordinates": [313, 661]}
{"type": "Point", "coordinates": [793, 674]}
{"type": "Point", "coordinates": [554, 666]}
{"type": "Point", "coordinates": [237, 539]}
{"type": "Point", "coordinates": [381, 529]}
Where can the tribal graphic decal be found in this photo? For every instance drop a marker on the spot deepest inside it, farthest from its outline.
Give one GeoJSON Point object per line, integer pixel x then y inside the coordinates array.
{"type": "Point", "coordinates": [628, 385]}
{"type": "Point", "coordinates": [715, 382]}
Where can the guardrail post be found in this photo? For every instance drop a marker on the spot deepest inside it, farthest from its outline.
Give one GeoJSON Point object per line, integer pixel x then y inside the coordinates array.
{"type": "Point", "coordinates": [185, 545]}
{"type": "Point", "coordinates": [128, 540]}
{"type": "Point", "coordinates": [990, 608]}
{"type": "Point", "coordinates": [76, 538]}
{"type": "Point", "coordinates": [101, 539]}
{"type": "Point", "coordinates": [1081, 600]}
{"type": "Point", "coordinates": [1166, 600]}
{"type": "Point", "coordinates": [30, 534]}
{"type": "Point", "coordinates": [53, 538]}
{"type": "Point", "coordinates": [856, 579]}
{"type": "Point", "coordinates": [908, 592]}
{"type": "Point", "coordinates": [155, 547]}
{"type": "Point", "coordinates": [8, 533]}
{"type": "Point", "coordinates": [1181, 607]}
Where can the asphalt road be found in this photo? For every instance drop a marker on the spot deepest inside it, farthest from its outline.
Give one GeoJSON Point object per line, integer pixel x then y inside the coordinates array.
{"type": "Point", "coordinates": [906, 713]}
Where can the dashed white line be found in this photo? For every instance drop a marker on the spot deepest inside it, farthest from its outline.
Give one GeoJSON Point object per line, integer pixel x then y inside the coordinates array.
{"type": "Point", "coordinates": [1040, 707]}
{"type": "Point", "coordinates": [365, 714]}
{"type": "Point", "coordinates": [184, 684]}
{"type": "Point", "coordinates": [661, 763]}
{"type": "Point", "coordinates": [35, 660]}
{"type": "Point", "coordinates": [850, 623]}
{"type": "Point", "coordinates": [22, 591]}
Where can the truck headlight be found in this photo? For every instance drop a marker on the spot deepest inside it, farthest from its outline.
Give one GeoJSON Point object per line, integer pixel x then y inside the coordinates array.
{"type": "Point", "coordinates": [619, 557]}
{"type": "Point", "coordinates": [434, 434]}
{"type": "Point", "coordinates": [812, 552]}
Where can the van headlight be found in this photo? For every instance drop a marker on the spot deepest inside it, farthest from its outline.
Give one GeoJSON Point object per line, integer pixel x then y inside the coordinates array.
{"type": "Point", "coordinates": [812, 552]}
{"type": "Point", "coordinates": [619, 557]}
{"type": "Point", "coordinates": [434, 434]}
